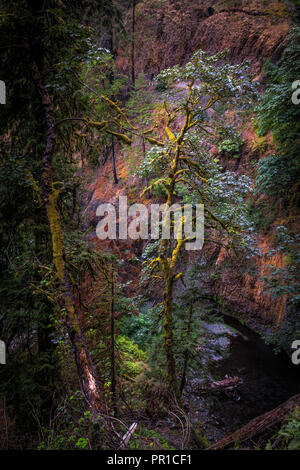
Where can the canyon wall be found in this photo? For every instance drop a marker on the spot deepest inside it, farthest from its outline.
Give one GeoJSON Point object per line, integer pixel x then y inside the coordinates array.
{"type": "Point", "coordinates": [167, 33]}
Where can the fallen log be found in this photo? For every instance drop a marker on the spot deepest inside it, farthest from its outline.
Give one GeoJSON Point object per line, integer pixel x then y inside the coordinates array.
{"type": "Point", "coordinates": [228, 383]}
{"type": "Point", "coordinates": [259, 424]}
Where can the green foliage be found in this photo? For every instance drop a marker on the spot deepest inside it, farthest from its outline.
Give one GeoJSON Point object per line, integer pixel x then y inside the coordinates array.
{"type": "Point", "coordinates": [141, 101]}
{"type": "Point", "coordinates": [282, 336]}
{"type": "Point", "coordinates": [229, 141]}
{"type": "Point", "coordinates": [139, 327]}
{"type": "Point", "coordinates": [51, 34]}
{"type": "Point", "coordinates": [290, 432]}
{"type": "Point", "coordinates": [73, 428]}
{"type": "Point", "coordinates": [149, 439]}
{"type": "Point", "coordinates": [162, 85]}
{"type": "Point", "coordinates": [133, 358]}
{"type": "Point", "coordinates": [182, 163]}
{"type": "Point", "coordinates": [285, 281]}
{"type": "Point", "coordinates": [229, 83]}
{"type": "Point", "coordinates": [159, 190]}
{"type": "Point", "coordinates": [153, 163]}
{"type": "Point", "coordinates": [224, 193]}
{"type": "Point", "coordinates": [32, 322]}
{"type": "Point", "coordinates": [288, 437]}
{"type": "Point", "coordinates": [278, 114]}
{"type": "Point", "coordinates": [276, 174]}
{"type": "Point", "coordinates": [259, 145]}
{"type": "Point", "coordinates": [194, 345]}
{"type": "Point", "coordinates": [200, 438]}
{"type": "Point", "coordinates": [260, 215]}
{"type": "Point", "coordinates": [229, 146]}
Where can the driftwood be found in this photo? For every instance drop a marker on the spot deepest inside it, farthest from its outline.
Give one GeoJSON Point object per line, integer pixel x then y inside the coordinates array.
{"type": "Point", "coordinates": [227, 384]}
{"type": "Point", "coordinates": [260, 424]}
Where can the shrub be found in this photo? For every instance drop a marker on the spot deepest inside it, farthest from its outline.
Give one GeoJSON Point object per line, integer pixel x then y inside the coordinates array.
{"type": "Point", "coordinates": [291, 431]}
{"type": "Point", "coordinates": [230, 147]}
{"type": "Point", "coordinates": [288, 437]}
{"type": "Point", "coordinates": [275, 174]}
{"type": "Point", "coordinates": [276, 110]}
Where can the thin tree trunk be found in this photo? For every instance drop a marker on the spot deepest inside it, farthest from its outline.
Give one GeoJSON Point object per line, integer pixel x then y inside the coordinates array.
{"type": "Point", "coordinates": [111, 80]}
{"type": "Point", "coordinates": [87, 375]}
{"type": "Point", "coordinates": [169, 338]}
{"type": "Point", "coordinates": [133, 44]}
{"type": "Point", "coordinates": [144, 155]}
{"type": "Point", "coordinates": [186, 352]}
{"type": "Point", "coordinates": [112, 346]}
{"type": "Point", "coordinates": [113, 157]}
{"type": "Point", "coordinates": [168, 294]}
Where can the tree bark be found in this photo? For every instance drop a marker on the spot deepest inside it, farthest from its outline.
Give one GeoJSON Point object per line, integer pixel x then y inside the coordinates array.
{"type": "Point", "coordinates": [144, 155]}
{"type": "Point", "coordinates": [169, 338]}
{"type": "Point", "coordinates": [133, 44]}
{"type": "Point", "coordinates": [113, 157]}
{"type": "Point", "coordinates": [186, 352]}
{"type": "Point", "coordinates": [112, 346]}
{"type": "Point", "coordinates": [87, 375]}
{"type": "Point", "coordinates": [166, 264]}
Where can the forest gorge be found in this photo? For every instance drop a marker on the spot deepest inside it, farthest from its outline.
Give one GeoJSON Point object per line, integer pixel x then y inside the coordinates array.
{"type": "Point", "coordinates": [143, 344]}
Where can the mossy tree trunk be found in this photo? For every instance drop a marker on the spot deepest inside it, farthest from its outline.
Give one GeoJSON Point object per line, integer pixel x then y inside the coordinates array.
{"type": "Point", "coordinates": [169, 338]}
{"type": "Point", "coordinates": [87, 374]}
{"type": "Point", "coordinates": [168, 254]}
{"type": "Point", "coordinates": [168, 265]}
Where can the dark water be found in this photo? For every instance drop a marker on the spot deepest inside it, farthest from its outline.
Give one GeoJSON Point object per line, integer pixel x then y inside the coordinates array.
{"type": "Point", "coordinates": [268, 381]}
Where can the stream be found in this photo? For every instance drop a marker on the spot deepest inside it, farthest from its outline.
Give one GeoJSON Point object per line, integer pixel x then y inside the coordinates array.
{"type": "Point", "coordinates": [269, 379]}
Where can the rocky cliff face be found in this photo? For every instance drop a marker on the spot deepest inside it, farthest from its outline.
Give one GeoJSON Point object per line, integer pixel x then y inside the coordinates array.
{"type": "Point", "coordinates": [246, 294]}
{"type": "Point", "coordinates": [168, 31]}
